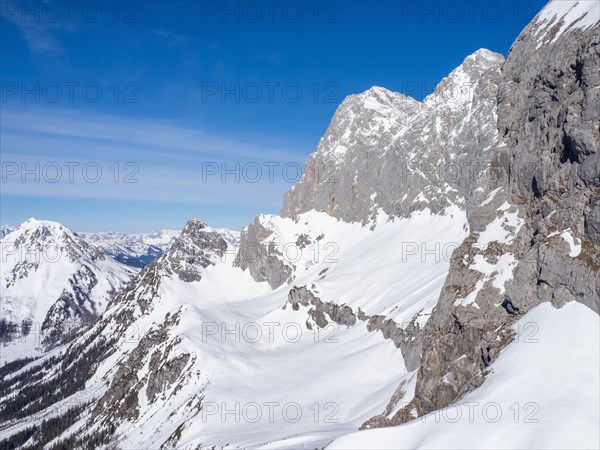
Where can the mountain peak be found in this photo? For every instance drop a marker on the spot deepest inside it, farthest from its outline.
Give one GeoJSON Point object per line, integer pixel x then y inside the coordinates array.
{"type": "Point", "coordinates": [457, 89]}
{"type": "Point", "coordinates": [382, 100]}
{"type": "Point", "coordinates": [194, 223]}
{"type": "Point", "coordinates": [45, 227]}
{"type": "Point", "coordinates": [33, 222]}
{"type": "Point", "coordinates": [197, 247]}
{"type": "Point", "coordinates": [53, 278]}
{"type": "Point", "coordinates": [483, 54]}
{"type": "Point", "coordinates": [34, 238]}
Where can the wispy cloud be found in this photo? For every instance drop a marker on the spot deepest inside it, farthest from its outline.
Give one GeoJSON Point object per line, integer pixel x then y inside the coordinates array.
{"type": "Point", "coordinates": [160, 137]}
{"type": "Point", "coordinates": [171, 160]}
{"type": "Point", "coordinates": [172, 39]}
{"type": "Point", "coordinates": [37, 34]}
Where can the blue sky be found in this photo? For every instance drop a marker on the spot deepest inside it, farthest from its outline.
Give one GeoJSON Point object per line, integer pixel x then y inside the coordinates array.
{"type": "Point", "coordinates": [122, 116]}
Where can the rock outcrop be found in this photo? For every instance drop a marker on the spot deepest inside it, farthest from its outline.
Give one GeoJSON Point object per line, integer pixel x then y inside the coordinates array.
{"type": "Point", "coordinates": [534, 239]}
{"type": "Point", "coordinates": [384, 150]}
{"type": "Point", "coordinates": [261, 254]}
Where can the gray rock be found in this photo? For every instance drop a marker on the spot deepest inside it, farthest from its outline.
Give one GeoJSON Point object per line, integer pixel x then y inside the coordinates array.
{"type": "Point", "coordinates": [408, 339]}
{"type": "Point", "coordinates": [261, 255]}
{"type": "Point", "coordinates": [384, 150]}
{"type": "Point", "coordinates": [196, 248]}
{"type": "Point", "coordinates": [548, 124]}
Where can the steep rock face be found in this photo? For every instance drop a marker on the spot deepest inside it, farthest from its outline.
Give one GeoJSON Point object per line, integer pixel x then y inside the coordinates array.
{"type": "Point", "coordinates": [549, 119]}
{"type": "Point", "coordinates": [386, 151]}
{"type": "Point", "coordinates": [261, 253]}
{"type": "Point", "coordinates": [533, 238]}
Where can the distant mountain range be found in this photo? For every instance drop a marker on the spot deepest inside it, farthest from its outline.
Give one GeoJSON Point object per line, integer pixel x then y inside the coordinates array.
{"type": "Point", "coordinates": [5, 229]}
{"type": "Point", "coordinates": [432, 281]}
{"type": "Point", "coordinates": [137, 249]}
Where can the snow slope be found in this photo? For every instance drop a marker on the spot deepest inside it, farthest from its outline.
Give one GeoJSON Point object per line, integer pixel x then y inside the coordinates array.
{"type": "Point", "coordinates": [543, 392]}
{"type": "Point", "coordinates": [251, 353]}
{"type": "Point", "coordinates": [349, 380]}
{"type": "Point", "coordinates": [560, 16]}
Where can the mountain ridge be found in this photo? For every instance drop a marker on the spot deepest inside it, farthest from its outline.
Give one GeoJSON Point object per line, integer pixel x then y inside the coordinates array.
{"type": "Point", "coordinates": [54, 282]}
{"type": "Point", "coordinates": [424, 295]}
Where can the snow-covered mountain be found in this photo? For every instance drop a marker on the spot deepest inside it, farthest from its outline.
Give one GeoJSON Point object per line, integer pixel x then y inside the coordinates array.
{"type": "Point", "coordinates": [139, 249]}
{"type": "Point", "coordinates": [135, 250]}
{"type": "Point", "coordinates": [53, 285]}
{"type": "Point", "coordinates": [385, 151]}
{"type": "Point", "coordinates": [398, 306]}
{"type": "Point", "coordinates": [5, 229]}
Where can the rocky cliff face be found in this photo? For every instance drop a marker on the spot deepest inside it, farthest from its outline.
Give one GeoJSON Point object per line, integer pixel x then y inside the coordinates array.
{"type": "Point", "coordinates": [384, 150]}
{"type": "Point", "coordinates": [262, 254]}
{"type": "Point", "coordinates": [549, 120]}
{"type": "Point", "coordinates": [514, 144]}
{"type": "Point", "coordinates": [534, 238]}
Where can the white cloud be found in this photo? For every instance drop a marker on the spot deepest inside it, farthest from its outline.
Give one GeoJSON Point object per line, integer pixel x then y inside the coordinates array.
{"type": "Point", "coordinates": [171, 159]}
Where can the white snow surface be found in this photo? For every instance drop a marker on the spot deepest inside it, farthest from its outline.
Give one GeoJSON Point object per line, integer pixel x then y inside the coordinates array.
{"type": "Point", "coordinates": [332, 379]}
{"type": "Point", "coordinates": [574, 243]}
{"type": "Point", "coordinates": [567, 15]}
{"type": "Point", "coordinates": [320, 383]}
{"type": "Point", "coordinates": [39, 260]}
{"type": "Point", "coordinates": [543, 392]}
{"type": "Point", "coordinates": [267, 381]}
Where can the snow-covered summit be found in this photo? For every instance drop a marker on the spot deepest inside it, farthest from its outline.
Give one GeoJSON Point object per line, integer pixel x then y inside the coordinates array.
{"type": "Point", "coordinates": [386, 151]}
{"type": "Point", "coordinates": [34, 239]}
{"type": "Point", "coordinates": [5, 229]}
{"type": "Point", "coordinates": [379, 98]}
{"type": "Point", "coordinates": [54, 281]}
